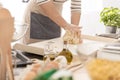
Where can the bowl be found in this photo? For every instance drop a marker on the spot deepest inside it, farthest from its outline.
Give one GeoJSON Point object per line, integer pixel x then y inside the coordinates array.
{"type": "Point", "coordinates": [20, 30]}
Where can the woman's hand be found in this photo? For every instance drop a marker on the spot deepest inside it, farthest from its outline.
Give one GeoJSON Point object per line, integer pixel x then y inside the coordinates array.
{"type": "Point", "coordinates": [73, 34]}
{"type": "Point", "coordinates": [73, 28]}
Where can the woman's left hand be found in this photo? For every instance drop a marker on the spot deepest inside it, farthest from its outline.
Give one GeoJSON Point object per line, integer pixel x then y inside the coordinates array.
{"type": "Point", "coordinates": [73, 28]}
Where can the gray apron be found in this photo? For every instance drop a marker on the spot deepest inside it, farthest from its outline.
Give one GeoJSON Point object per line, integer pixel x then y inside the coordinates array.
{"type": "Point", "coordinates": [42, 27]}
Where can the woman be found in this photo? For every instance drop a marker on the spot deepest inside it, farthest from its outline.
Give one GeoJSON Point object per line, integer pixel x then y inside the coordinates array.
{"type": "Point", "coordinates": [44, 17]}
{"type": "Point", "coordinates": [6, 33]}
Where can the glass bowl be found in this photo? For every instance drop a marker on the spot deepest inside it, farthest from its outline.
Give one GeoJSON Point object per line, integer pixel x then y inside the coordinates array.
{"type": "Point", "coordinates": [20, 31]}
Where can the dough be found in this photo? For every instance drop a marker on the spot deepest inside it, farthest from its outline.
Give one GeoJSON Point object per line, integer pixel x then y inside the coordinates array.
{"type": "Point", "coordinates": [72, 38]}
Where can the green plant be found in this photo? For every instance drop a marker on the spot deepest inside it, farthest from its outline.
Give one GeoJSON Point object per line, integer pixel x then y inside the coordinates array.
{"type": "Point", "coordinates": [110, 16]}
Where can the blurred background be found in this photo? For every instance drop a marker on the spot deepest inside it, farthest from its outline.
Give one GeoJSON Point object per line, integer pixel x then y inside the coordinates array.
{"type": "Point", "coordinates": [90, 19]}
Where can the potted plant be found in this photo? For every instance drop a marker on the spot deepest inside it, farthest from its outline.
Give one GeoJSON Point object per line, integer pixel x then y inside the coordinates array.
{"type": "Point", "coordinates": [110, 16]}
{"type": "Point", "coordinates": [118, 24]}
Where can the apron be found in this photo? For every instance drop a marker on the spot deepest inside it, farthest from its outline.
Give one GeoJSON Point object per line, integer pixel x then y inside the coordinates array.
{"type": "Point", "coordinates": [42, 27]}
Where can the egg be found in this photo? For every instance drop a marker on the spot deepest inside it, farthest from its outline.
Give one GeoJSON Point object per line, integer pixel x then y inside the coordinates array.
{"type": "Point", "coordinates": [30, 75]}
{"type": "Point", "coordinates": [35, 68]}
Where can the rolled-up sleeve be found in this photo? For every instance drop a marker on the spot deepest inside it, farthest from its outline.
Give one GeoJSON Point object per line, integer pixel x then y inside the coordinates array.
{"type": "Point", "coordinates": [76, 5]}
{"type": "Point", "coordinates": [42, 1]}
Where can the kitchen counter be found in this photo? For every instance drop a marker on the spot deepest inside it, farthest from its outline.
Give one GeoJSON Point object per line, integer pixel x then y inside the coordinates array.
{"type": "Point", "coordinates": [88, 47]}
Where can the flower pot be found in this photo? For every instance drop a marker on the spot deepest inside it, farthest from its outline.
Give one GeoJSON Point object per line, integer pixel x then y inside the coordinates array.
{"type": "Point", "coordinates": [110, 29]}
{"type": "Point", "coordinates": [118, 30]}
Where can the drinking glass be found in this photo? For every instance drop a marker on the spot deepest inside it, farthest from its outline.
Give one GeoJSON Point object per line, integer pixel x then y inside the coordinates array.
{"type": "Point", "coordinates": [50, 51]}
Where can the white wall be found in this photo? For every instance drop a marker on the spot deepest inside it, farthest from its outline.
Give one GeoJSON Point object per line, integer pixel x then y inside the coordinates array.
{"type": "Point", "coordinates": [109, 3]}
{"type": "Point", "coordinates": [16, 7]}
{"type": "Point", "coordinates": [90, 16]}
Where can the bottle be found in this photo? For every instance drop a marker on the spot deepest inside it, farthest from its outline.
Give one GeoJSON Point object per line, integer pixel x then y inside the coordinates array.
{"type": "Point", "coordinates": [66, 53]}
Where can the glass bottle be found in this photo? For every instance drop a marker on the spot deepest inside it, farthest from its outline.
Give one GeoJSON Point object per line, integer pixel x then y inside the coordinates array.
{"type": "Point", "coordinates": [66, 53]}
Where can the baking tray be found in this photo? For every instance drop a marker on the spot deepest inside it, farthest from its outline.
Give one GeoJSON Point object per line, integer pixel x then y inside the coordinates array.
{"type": "Point", "coordinates": [20, 59]}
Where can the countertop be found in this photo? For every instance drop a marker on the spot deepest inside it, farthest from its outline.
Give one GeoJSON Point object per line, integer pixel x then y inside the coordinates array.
{"type": "Point", "coordinates": [88, 47]}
